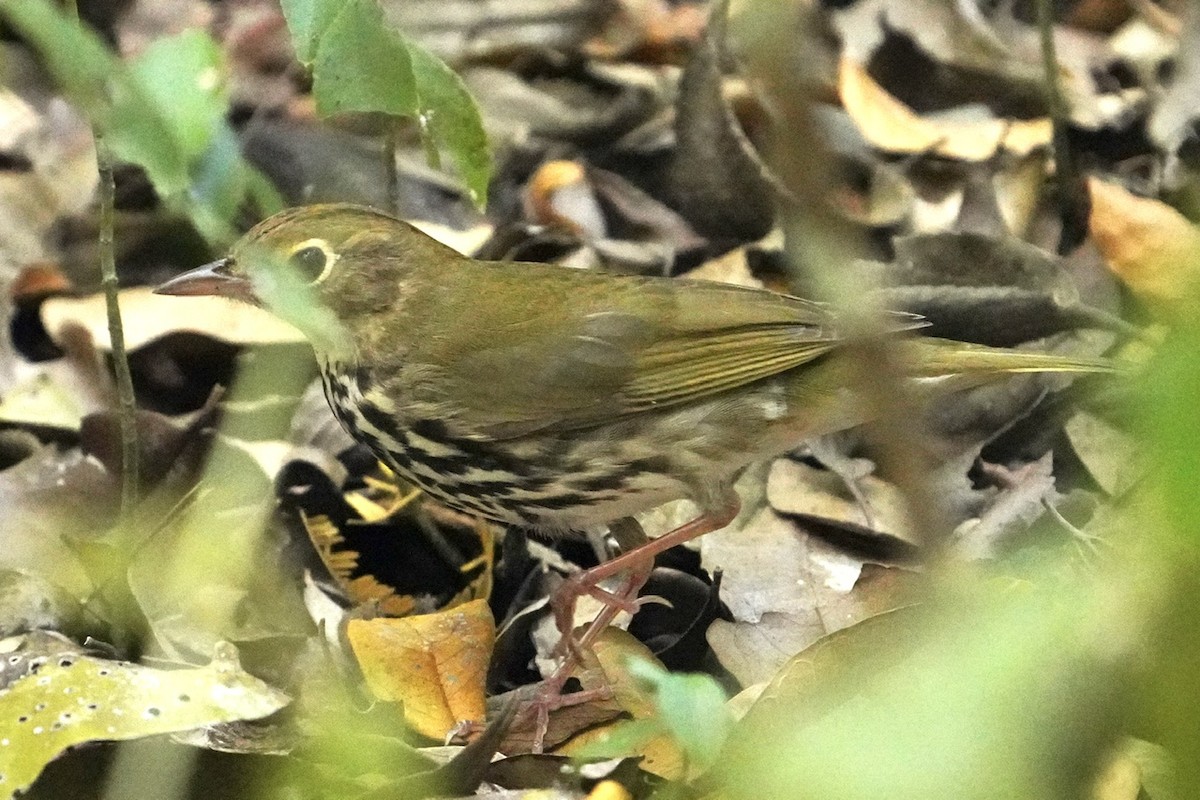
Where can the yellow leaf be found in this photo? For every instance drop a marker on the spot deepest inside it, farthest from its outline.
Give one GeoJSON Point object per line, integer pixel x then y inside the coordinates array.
{"type": "Point", "coordinates": [609, 790]}
{"type": "Point", "coordinates": [1150, 246]}
{"type": "Point", "coordinates": [435, 664]}
{"type": "Point", "coordinates": [889, 124]}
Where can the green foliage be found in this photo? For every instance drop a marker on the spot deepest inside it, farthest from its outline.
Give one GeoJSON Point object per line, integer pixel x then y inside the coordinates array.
{"type": "Point", "coordinates": [976, 695]}
{"type": "Point", "coordinates": [1171, 533]}
{"type": "Point", "coordinates": [164, 112]}
{"type": "Point", "coordinates": [67, 699]}
{"type": "Point", "coordinates": [360, 65]}
{"type": "Point", "coordinates": [691, 709]}
{"type": "Point", "coordinates": [182, 75]}
{"type": "Point", "coordinates": [688, 708]}
{"type": "Point", "coordinates": [100, 85]}
{"type": "Point", "coordinates": [450, 118]}
{"type": "Point", "coordinates": [1175, 429]}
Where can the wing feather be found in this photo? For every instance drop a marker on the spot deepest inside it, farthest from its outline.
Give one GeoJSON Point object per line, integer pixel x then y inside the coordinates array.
{"type": "Point", "coordinates": [585, 349]}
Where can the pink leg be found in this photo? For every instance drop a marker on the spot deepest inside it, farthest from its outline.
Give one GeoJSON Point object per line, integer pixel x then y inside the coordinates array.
{"type": "Point", "coordinates": [638, 562]}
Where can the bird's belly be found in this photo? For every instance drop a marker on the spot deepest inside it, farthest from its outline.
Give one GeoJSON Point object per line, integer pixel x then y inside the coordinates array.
{"type": "Point", "coordinates": [496, 481]}
{"type": "Point", "coordinates": [552, 484]}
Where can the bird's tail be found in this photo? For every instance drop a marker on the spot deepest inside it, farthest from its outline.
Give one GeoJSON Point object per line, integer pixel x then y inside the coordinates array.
{"type": "Point", "coordinates": [943, 358]}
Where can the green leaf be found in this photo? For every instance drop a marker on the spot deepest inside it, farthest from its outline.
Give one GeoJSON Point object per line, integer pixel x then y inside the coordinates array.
{"type": "Point", "coordinates": [183, 75]}
{"type": "Point", "coordinates": [625, 737]}
{"type": "Point", "coordinates": [450, 117]}
{"type": "Point", "coordinates": [307, 21]}
{"type": "Point", "coordinates": [104, 89]}
{"type": "Point", "coordinates": [165, 113]}
{"type": "Point", "coordinates": [1174, 428]}
{"type": "Point", "coordinates": [682, 701]}
{"type": "Point", "coordinates": [361, 65]}
{"type": "Point", "coordinates": [68, 699]}
{"type": "Point", "coordinates": [222, 181]}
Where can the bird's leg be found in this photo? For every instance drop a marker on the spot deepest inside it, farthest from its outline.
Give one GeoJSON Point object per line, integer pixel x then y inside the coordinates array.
{"type": "Point", "coordinates": [638, 562]}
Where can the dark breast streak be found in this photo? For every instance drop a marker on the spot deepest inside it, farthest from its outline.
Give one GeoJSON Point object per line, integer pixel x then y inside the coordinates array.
{"type": "Point", "coordinates": [486, 479]}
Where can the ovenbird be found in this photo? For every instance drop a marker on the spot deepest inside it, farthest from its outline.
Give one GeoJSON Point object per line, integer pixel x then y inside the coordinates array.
{"type": "Point", "coordinates": [551, 398]}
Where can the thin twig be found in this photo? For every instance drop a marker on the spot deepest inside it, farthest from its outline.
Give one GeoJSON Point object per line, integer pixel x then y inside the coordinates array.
{"type": "Point", "coordinates": [1072, 193]}
{"type": "Point", "coordinates": [126, 404]}
{"type": "Point", "coordinates": [391, 141]}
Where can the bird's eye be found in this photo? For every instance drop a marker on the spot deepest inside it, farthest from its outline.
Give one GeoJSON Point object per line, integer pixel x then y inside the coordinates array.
{"type": "Point", "coordinates": [311, 262]}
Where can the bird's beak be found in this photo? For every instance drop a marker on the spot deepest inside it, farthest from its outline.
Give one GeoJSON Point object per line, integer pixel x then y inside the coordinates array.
{"type": "Point", "coordinates": [216, 279]}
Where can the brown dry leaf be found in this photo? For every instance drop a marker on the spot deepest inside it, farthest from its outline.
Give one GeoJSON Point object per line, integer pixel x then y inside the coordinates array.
{"type": "Point", "coordinates": [732, 267]}
{"type": "Point", "coordinates": [655, 30]}
{"type": "Point", "coordinates": [754, 651]}
{"type": "Point", "coordinates": [435, 664]}
{"type": "Point", "coordinates": [559, 194]}
{"type": "Point", "coordinates": [797, 489]}
{"type": "Point", "coordinates": [1150, 246]}
{"type": "Point", "coordinates": [1113, 457]}
{"type": "Point", "coordinates": [786, 589]}
{"type": "Point", "coordinates": [890, 125]}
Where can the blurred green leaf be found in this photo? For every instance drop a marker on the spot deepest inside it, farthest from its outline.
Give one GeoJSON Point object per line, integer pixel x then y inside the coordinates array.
{"type": "Point", "coordinates": [222, 181]}
{"type": "Point", "coordinates": [165, 112]}
{"type": "Point", "coordinates": [182, 74]}
{"type": "Point", "coordinates": [1170, 530]}
{"type": "Point", "coordinates": [104, 89]}
{"type": "Point", "coordinates": [977, 695]}
{"type": "Point", "coordinates": [1174, 428]}
{"type": "Point", "coordinates": [691, 709]}
{"type": "Point", "coordinates": [623, 738]}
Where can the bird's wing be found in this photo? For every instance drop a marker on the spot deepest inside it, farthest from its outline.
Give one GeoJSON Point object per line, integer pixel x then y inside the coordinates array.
{"type": "Point", "coordinates": [584, 349]}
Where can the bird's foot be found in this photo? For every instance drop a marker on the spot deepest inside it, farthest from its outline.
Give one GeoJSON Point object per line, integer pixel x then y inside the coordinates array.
{"type": "Point", "coordinates": [637, 564]}
{"type": "Point", "coordinates": [567, 595]}
{"type": "Point", "coordinates": [550, 697]}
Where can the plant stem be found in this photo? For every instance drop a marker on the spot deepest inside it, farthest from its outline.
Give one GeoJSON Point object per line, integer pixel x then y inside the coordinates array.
{"type": "Point", "coordinates": [126, 403]}
{"type": "Point", "coordinates": [391, 141]}
{"type": "Point", "coordinates": [1073, 198]}
{"type": "Point", "coordinates": [1054, 95]}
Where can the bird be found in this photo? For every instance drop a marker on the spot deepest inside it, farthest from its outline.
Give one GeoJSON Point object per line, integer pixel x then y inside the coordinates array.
{"type": "Point", "coordinates": [561, 400]}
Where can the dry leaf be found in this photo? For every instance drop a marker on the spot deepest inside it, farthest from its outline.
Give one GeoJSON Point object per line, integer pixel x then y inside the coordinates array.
{"type": "Point", "coordinates": [1150, 246]}
{"type": "Point", "coordinates": [1113, 457]}
{"type": "Point", "coordinates": [797, 489]}
{"type": "Point", "coordinates": [435, 664]}
{"type": "Point", "coordinates": [148, 316]}
{"type": "Point", "coordinates": [559, 194]}
{"type": "Point", "coordinates": [67, 699]}
{"type": "Point", "coordinates": [890, 125]}
{"type": "Point", "coordinates": [732, 267]}
{"type": "Point", "coordinates": [754, 651]}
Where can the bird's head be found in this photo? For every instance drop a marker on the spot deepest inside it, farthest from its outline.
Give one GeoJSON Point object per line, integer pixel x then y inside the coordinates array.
{"type": "Point", "coordinates": [318, 267]}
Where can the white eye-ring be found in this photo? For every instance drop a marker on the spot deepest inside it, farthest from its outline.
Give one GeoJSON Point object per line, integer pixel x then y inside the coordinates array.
{"type": "Point", "coordinates": [313, 259]}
